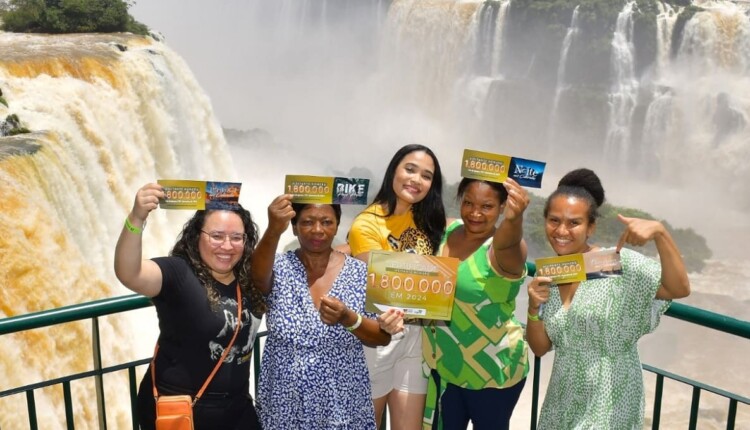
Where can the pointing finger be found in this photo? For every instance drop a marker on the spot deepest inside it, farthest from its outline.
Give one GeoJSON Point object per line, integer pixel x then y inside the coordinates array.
{"type": "Point", "coordinates": [622, 241]}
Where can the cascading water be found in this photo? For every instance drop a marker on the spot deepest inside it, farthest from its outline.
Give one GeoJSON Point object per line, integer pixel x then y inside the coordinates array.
{"type": "Point", "coordinates": [561, 85]}
{"type": "Point", "coordinates": [700, 110]}
{"type": "Point", "coordinates": [624, 92]}
{"type": "Point", "coordinates": [665, 22]}
{"type": "Point", "coordinates": [109, 113]}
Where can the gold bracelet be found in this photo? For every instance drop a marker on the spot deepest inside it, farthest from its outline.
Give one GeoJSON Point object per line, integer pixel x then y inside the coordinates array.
{"type": "Point", "coordinates": [131, 228]}
{"type": "Point", "coordinates": [532, 317]}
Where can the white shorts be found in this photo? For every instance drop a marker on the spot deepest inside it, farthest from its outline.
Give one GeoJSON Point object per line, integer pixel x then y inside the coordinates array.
{"type": "Point", "coordinates": [398, 365]}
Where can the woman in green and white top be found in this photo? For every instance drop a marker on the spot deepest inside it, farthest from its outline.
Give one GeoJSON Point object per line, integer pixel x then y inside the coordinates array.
{"type": "Point", "coordinates": [478, 359]}
{"type": "Point", "coordinates": [594, 325]}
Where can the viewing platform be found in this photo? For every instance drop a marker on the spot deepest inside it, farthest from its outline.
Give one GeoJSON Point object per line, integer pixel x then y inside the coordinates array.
{"type": "Point", "coordinates": [96, 310]}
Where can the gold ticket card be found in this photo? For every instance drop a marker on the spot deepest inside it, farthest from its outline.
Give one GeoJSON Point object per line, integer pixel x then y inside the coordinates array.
{"type": "Point", "coordinates": [423, 286]}
{"type": "Point", "coordinates": [486, 166]}
{"type": "Point", "coordinates": [199, 195]}
{"type": "Point", "coordinates": [565, 269]}
{"type": "Point", "coordinates": [326, 189]}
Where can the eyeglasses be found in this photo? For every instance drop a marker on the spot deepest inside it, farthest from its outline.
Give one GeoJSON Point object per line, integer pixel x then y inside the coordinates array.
{"type": "Point", "coordinates": [217, 238]}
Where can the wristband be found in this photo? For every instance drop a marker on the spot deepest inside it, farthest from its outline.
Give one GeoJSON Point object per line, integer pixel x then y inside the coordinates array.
{"type": "Point", "coordinates": [532, 317]}
{"type": "Point", "coordinates": [356, 324]}
{"type": "Point", "coordinates": [131, 228]}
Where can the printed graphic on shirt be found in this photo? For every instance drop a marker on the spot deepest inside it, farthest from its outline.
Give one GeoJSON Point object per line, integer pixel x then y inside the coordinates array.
{"type": "Point", "coordinates": [412, 240]}
{"type": "Point", "coordinates": [239, 353]}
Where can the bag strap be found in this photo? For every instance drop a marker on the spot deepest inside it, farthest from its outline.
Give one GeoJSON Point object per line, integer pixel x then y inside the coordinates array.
{"type": "Point", "coordinates": [218, 364]}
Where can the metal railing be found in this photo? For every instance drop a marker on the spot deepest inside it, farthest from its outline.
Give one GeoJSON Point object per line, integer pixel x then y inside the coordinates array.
{"type": "Point", "coordinates": [96, 309]}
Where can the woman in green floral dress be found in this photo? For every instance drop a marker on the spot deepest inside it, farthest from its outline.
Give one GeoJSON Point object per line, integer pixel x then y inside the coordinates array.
{"type": "Point", "coordinates": [594, 325]}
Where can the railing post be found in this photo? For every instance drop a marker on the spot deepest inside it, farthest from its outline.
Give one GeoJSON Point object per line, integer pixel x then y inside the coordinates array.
{"type": "Point", "coordinates": [98, 378]}
{"type": "Point", "coordinates": [694, 405]}
{"type": "Point", "coordinates": [657, 401]}
{"type": "Point", "coordinates": [133, 397]}
{"type": "Point", "coordinates": [68, 399]}
{"type": "Point", "coordinates": [732, 414]}
{"type": "Point", "coordinates": [31, 408]}
{"type": "Point", "coordinates": [535, 391]}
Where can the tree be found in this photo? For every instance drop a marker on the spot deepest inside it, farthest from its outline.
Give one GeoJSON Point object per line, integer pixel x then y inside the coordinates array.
{"type": "Point", "coordinates": [69, 16]}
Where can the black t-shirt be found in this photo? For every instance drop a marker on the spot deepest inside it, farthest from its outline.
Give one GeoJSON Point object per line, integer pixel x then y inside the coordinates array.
{"type": "Point", "coordinates": [193, 336]}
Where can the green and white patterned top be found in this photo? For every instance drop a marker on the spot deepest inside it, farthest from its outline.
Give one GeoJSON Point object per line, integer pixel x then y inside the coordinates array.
{"type": "Point", "coordinates": [596, 381]}
{"type": "Point", "coordinates": [482, 346]}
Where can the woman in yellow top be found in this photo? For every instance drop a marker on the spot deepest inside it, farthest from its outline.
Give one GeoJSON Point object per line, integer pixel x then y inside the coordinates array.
{"type": "Point", "coordinates": [407, 215]}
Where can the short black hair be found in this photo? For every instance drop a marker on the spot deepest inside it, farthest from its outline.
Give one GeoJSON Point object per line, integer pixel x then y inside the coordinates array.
{"type": "Point", "coordinates": [299, 207]}
{"type": "Point", "coordinates": [499, 188]}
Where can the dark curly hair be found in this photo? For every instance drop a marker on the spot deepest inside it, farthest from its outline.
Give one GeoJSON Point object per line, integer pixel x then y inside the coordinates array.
{"type": "Point", "coordinates": [187, 248]}
{"type": "Point", "coordinates": [429, 214]}
{"type": "Point", "coordinates": [582, 183]}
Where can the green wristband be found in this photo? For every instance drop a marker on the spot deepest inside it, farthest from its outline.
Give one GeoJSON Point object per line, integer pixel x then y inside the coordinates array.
{"type": "Point", "coordinates": [131, 228]}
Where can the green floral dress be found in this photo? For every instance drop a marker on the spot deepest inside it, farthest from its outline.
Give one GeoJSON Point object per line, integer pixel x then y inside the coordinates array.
{"type": "Point", "coordinates": [596, 381]}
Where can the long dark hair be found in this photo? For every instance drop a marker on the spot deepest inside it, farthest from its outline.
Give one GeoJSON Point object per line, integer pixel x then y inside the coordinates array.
{"type": "Point", "coordinates": [582, 183]}
{"type": "Point", "coordinates": [429, 214]}
{"type": "Point", "coordinates": [187, 248]}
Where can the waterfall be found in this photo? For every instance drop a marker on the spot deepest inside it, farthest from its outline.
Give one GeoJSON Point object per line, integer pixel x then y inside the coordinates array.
{"type": "Point", "coordinates": [659, 120]}
{"type": "Point", "coordinates": [701, 108]}
{"type": "Point", "coordinates": [431, 44]}
{"type": "Point", "coordinates": [561, 86]}
{"type": "Point", "coordinates": [624, 91]}
{"type": "Point", "coordinates": [109, 113]}
{"type": "Point", "coordinates": [665, 21]}
{"type": "Point", "coordinates": [488, 48]}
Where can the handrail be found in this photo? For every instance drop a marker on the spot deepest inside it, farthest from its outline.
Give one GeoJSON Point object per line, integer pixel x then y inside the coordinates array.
{"type": "Point", "coordinates": [698, 384]}
{"type": "Point", "coordinates": [72, 313]}
{"type": "Point", "coordinates": [709, 319]}
{"type": "Point", "coordinates": [130, 302]}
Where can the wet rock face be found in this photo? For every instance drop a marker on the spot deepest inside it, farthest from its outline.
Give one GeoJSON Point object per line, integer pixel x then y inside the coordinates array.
{"type": "Point", "coordinates": [18, 145]}
{"type": "Point", "coordinates": [12, 126]}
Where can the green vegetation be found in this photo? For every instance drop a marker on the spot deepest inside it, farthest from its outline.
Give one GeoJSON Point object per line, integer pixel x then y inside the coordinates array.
{"type": "Point", "coordinates": [2, 101]}
{"type": "Point", "coordinates": [19, 130]}
{"type": "Point", "coordinates": [69, 16]}
{"type": "Point", "coordinates": [12, 126]}
{"type": "Point", "coordinates": [608, 230]}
